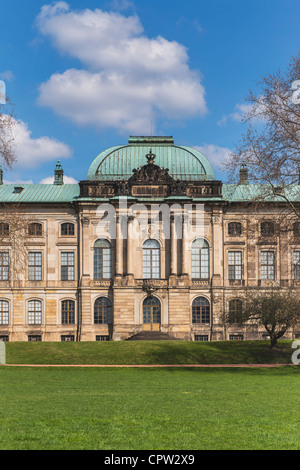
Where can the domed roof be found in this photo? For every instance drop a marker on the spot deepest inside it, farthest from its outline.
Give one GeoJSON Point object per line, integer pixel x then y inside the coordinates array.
{"type": "Point", "coordinates": [117, 163]}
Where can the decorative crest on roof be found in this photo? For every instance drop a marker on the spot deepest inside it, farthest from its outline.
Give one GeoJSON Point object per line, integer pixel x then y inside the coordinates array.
{"type": "Point", "coordinates": [150, 157]}
{"type": "Point", "coordinates": [151, 173]}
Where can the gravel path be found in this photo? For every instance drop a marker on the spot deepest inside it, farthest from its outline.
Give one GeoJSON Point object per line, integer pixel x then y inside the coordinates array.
{"type": "Point", "coordinates": [153, 365]}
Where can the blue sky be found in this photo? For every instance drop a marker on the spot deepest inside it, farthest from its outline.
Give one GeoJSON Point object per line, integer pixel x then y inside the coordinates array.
{"type": "Point", "coordinates": [85, 75]}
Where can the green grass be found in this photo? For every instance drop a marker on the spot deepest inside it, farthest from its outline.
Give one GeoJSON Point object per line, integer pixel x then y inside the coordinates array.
{"type": "Point", "coordinates": [111, 409]}
{"type": "Point", "coordinates": [149, 352]}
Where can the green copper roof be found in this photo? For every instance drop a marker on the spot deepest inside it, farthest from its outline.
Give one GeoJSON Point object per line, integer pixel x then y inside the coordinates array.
{"type": "Point", "coordinates": [38, 193]}
{"type": "Point", "coordinates": [258, 192]}
{"type": "Point", "coordinates": [184, 163]}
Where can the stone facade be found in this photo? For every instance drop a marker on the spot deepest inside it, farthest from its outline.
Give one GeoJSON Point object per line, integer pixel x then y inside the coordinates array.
{"type": "Point", "coordinates": [133, 302]}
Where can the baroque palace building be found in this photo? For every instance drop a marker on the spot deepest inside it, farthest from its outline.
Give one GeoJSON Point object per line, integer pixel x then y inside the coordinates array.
{"type": "Point", "coordinates": [149, 241]}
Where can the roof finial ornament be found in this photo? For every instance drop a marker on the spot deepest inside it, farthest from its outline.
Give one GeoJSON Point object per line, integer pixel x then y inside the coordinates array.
{"type": "Point", "coordinates": [150, 157]}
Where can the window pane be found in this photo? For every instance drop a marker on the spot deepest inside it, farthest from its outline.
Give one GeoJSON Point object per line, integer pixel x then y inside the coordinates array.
{"type": "Point", "coordinates": [35, 266]}
{"type": "Point", "coordinates": [68, 312]}
{"type": "Point", "coordinates": [34, 312]}
{"type": "Point", "coordinates": [102, 311]}
{"type": "Point", "coordinates": [235, 265]}
{"type": "Point", "coordinates": [67, 266]}
{"type": "Point", "coordinates": [200, 259]}
{"type": "Point", "coordinates": [35, 230]}
{"type": "Point", "coordinates": [267, 265]}
{"type": "Point", "coordinates": [4, 266]}
{"type": "Point", "coordinates": [4, 312]}
{"type": "Point", "coordinates": [201, 311]}
{"type": "Point", "coordinates": [67, 229]}
{"type": "Point", "coordinates": [151, 259]}
{"type": "Point", "coordinates": [102, 259]}
{"type": "Point", "coordinates": [297, 265]}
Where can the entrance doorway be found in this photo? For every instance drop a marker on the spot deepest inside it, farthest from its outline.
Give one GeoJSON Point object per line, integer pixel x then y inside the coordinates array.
{"type": "Point", "coordinates": [151, 314]}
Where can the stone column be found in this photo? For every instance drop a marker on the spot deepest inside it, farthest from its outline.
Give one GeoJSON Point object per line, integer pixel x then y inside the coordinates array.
{"type": "Point", "coordinates": [185, 252]}
{"type": "Point", "coordinates": [85, 251]}
{"type": "Point", "coordinates": [217, 250]}
{"type": "Point", "coordinates": [173, 254]}
{"type": "Point", "coordinates": [130, 238]}
{"type": "Point", "coordinates": [119, 248]}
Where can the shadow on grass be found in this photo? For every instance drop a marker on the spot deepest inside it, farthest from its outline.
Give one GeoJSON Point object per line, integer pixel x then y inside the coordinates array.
{"type": "Point", "coordinates": [149, 352]}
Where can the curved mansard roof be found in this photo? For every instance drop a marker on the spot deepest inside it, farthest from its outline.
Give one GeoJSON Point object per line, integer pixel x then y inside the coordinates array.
{"type": "Point", "coordinates": [184, 163]}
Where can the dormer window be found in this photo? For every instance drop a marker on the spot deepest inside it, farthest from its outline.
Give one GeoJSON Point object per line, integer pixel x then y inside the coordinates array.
{"type": "Point", "coordinates": [18, 189]}
{"type": "Point", "coordinates": [35, 230]}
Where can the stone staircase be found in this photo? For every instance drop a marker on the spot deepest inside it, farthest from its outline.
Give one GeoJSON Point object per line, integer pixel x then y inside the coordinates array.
{"type": "Point", "coordinates": [151, 336]}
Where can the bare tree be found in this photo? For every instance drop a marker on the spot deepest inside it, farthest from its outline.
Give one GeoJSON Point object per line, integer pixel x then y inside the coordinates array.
{"type": "Point", "coordinates": [12, 243]}
{"type": "Point", "coordinates": [270, 147]}
{"type": "Point", "coordinates": [7, 144]}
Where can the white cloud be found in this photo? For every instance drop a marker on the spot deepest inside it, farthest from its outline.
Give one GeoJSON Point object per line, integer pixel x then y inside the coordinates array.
{"type": "Point", "coordinates": [33, 152]}
{"type": "Point", "coordinates": [128, 80]}
{"type": "Point", "coordinates": [215, 155]}
{"type": "Point", "coordinates": [7, 75]}
{"type": "Point", "coordinates": [243, 112]}
{"type": "Point", "coordinates": [67, 180]}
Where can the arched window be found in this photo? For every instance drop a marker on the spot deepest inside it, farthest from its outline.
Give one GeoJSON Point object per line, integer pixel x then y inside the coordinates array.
{"type": "Point", "coordinates": [151, 312]}
{"type": "Point", "coordinates": [68, 312]}
{"type": "Point", "coordinates": [234, 229]}
{"type": "Point", "coordinates": [4, 312]}
{"type": "Point", "coordinates": [102, 311]}
{"type": "Point", "coordinates": [200, 259]}
{"type": "Point", "coordinates": [35, 230]}
{"type": "Point", "coordinates": [235, 307]}
{"type": "Point", "coordinates": [102, 259]}
{"type": "Point", "coordinates": [67, 229]}
{"type": "Point", "coordinates": [34, 312]}
{"type": "Point", "coordinates": [151, 259]}
{"type": "Point", "coordinates": [201, 311]}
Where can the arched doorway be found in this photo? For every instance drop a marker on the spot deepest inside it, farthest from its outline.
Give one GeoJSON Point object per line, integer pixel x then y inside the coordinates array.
{"type": "Point", "coordinates": [151, 314]}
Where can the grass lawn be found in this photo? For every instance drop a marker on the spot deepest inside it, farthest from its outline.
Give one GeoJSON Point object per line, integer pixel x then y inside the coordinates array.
{"type": "Point", "coordinates": [77, 408]}
{"type": "Point", "coordinates": [149, 352]}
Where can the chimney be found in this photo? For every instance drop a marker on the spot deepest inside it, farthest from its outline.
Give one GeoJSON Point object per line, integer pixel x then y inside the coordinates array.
{"type": "Point", "coordinates": [58, 174]}
{"type": "Point", "coordinates": [1, 175]}
{"type": "Point", "coordinates": [244, 173]}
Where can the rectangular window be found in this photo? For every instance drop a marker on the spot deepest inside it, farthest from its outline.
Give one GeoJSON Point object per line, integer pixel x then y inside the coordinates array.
{"type": "Point", "coordinates": [102, 338]}
{"type": "Point", "coordinates": [102, 263]}
{"type": "Point", "coordinates": [35, 266]}
{"type": "Point", "coordinates": [67, 338]}
{"type": "Point", "coordinates": [67, 266]}
{"type": "Point", "coordinates": [201, 337]}
{"type": "Point", "coordinates": [267, 265]}
{"type": "Point", "coordinates": [35, 312]}
{"type": "Point", "coordinates": [68, 312]}
{"type": "Point", "coordinates": [34, 338]}
{"type": "Point", "coordinates": [67, 229]}
{"type": "Point", "coordinates": [296, 265]}
{"type": "Point", "coordinates": [4, 266]}
{"type": "Point", "coordinates": [235, 265]}
{"type": "Point", "coordinates": [4, 312]}
{"type": "Point", "coordinates": [236, 337]}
